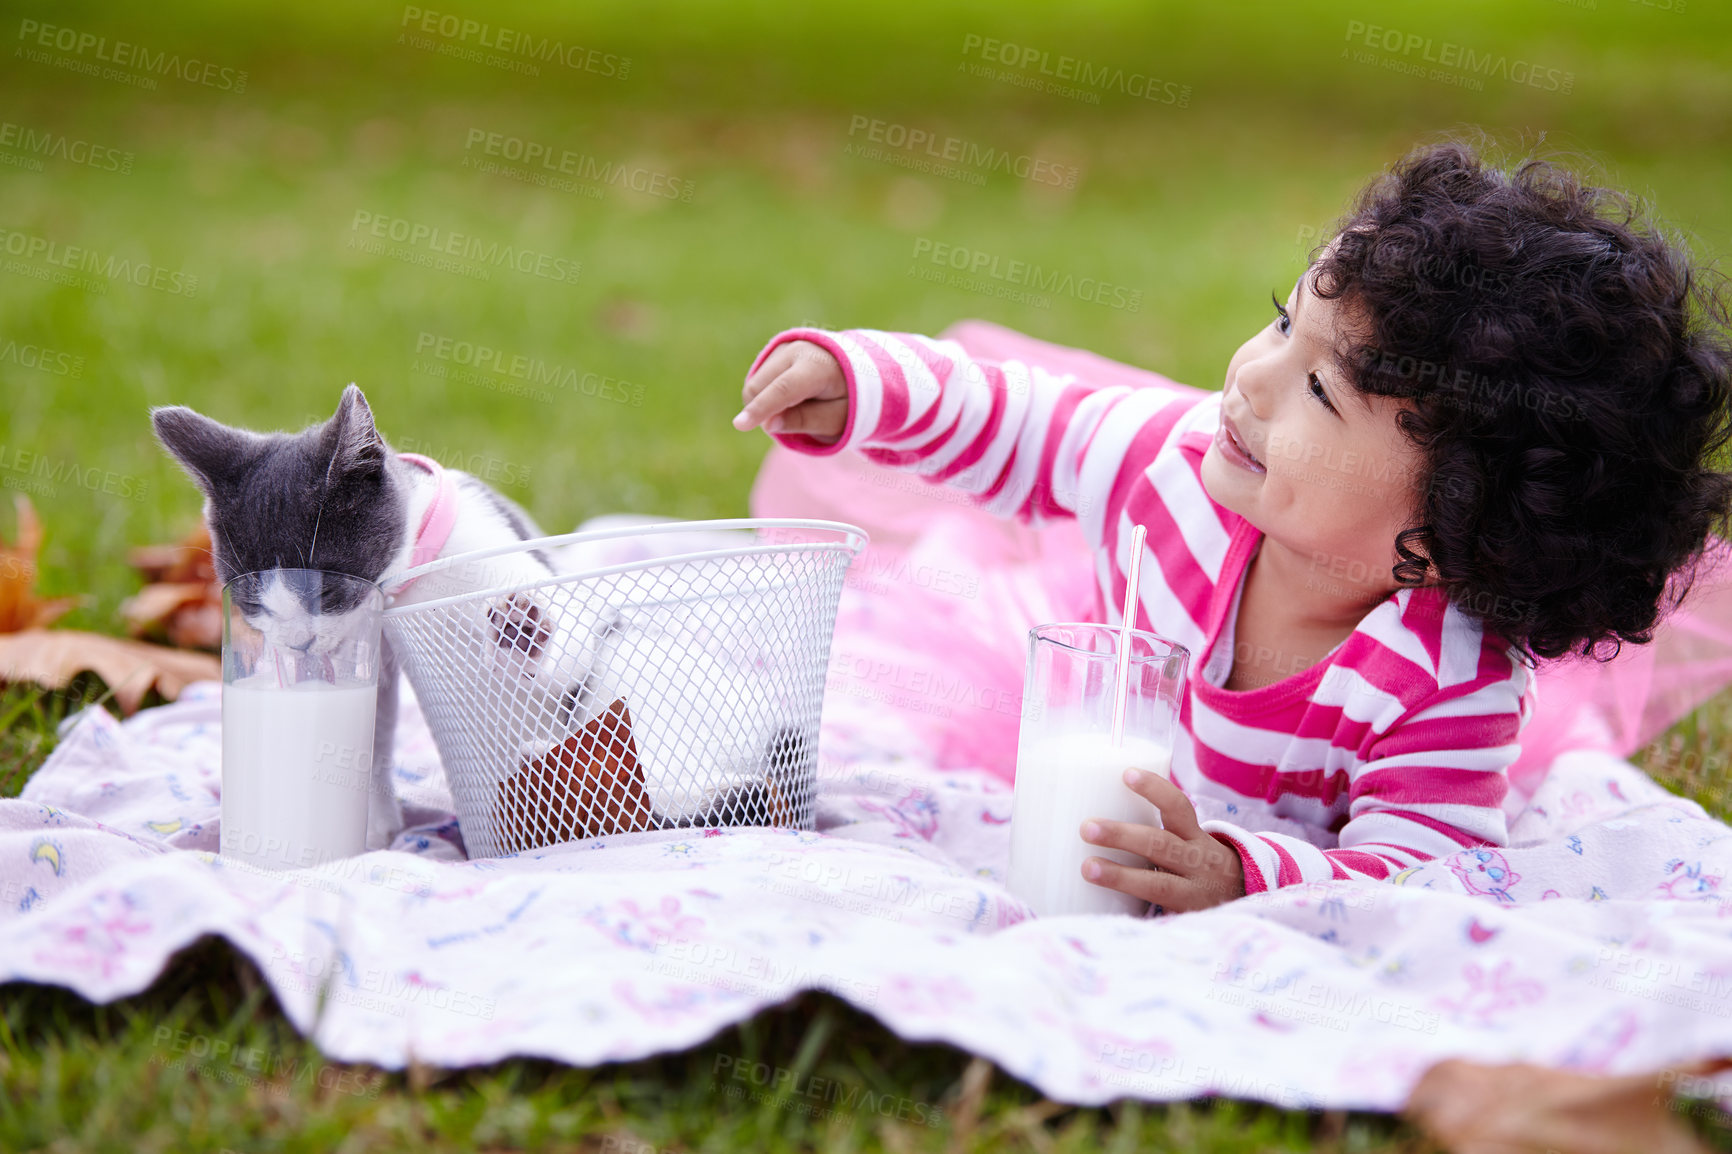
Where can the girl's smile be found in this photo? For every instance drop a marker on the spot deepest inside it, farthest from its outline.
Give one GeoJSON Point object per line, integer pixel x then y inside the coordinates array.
{"type": "Point", "coordinates": [1232, 445]}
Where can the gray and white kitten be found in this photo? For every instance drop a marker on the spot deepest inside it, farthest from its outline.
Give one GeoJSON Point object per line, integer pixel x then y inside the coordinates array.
{"type": "Point", "coordinates": [335, 497]}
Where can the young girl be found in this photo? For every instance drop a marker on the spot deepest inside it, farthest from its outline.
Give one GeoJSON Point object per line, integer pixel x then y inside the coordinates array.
{"type": "Point", "coordinates": [1479, 432]}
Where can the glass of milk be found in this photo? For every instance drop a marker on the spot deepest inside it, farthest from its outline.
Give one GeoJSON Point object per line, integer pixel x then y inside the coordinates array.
{"type": "Point", "coordinates": [1068, 769]}
{"type": "Point", "coordinates": [300, 685]}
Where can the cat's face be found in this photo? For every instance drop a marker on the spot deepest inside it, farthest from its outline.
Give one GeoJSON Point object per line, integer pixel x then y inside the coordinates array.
{"type": "Point", "coordinates": [324, 498]}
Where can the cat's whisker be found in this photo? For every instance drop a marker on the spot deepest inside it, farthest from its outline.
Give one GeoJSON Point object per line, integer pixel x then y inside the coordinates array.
{"type": "Point", "coordinates": [317, 517]}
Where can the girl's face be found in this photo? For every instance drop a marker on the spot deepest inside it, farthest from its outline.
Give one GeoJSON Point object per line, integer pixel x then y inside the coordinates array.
{"type": "Point", "coordinates": [1333, 479]}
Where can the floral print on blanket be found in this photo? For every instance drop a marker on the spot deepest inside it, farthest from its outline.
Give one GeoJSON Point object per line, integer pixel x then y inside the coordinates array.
{"type": "Point", "coordinates": [1596, 939]}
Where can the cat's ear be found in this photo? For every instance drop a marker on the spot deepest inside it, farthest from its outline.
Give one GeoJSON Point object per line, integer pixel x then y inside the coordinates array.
{"type": "Point", "coordinates": [208, 450]}
{"type": "Point", "coordinates": [356, 445]}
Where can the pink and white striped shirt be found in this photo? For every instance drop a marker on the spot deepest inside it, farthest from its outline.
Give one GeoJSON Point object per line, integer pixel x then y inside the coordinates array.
{"type": "Point", "coordinates": [1390, 751]}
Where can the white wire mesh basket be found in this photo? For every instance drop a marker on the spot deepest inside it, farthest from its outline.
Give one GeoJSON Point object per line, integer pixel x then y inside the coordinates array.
{"type": "Point", "coordinates": [679, 688]}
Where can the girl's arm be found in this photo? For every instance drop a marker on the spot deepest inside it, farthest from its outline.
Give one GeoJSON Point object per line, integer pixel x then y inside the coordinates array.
{"type": "Point", "coordinates": [1433, 784]}
{"type": "Point", "coordinates": [1013, 435]}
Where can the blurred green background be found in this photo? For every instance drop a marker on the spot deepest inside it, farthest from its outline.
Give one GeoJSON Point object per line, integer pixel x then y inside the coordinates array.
{"type": "Point", "coordinates": [1267, 118]}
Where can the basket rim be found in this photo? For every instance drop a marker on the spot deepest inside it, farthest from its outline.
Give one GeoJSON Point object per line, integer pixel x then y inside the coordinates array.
{"type": "Point", "coordinates": [854, 539]}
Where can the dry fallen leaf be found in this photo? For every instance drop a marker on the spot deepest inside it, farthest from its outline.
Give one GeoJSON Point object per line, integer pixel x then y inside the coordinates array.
{"type": "Point", "coordinates": [130, 669]}
{"type": "Point", "coordinates": [20, 608]}
{"type": "Point", "coordinates": [183, 602]}
{"type": "Point", "coordinates": [52, 658]}
{"type": "Point", "coordinates": [188, 559]}
{"type": "Point", "coordinates": [1524, 1109]}
{"type": "Point", "coordinates": [183, 613]}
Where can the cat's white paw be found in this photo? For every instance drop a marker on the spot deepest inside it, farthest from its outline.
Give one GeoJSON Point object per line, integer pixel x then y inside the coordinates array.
{"type": "Point", "coordinates": [520, 627]}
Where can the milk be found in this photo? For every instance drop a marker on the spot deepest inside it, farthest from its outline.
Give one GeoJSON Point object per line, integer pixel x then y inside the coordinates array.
{"type": "Point", "coordinates": [296, 771]}
{"type": "Point", "coordinates": [1061, 782]}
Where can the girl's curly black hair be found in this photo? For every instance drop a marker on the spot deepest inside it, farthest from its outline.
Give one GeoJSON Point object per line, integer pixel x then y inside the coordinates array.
{"type": "Point", "coordinates": [1569, 374]}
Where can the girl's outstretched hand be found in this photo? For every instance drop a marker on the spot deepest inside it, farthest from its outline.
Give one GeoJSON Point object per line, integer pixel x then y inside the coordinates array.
{"type": "Point", "coordinates": [798, 389]}
{"type": "Point", "coordinates": [1196, 870]}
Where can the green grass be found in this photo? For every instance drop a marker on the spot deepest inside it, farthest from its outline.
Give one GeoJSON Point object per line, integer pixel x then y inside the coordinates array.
{"type": "Point", "coordinates": [1203, 208]}
{"type": "Point", "coordinates": [29, 721]}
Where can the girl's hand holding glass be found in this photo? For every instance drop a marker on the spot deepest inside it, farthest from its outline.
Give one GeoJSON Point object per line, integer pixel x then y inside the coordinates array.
{"type": "Point", "coordinates": [1194, 870]}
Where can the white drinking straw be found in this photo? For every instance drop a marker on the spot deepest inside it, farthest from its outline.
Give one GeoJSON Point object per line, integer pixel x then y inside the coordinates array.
{"type": "Point", "coordinates": [1138, 534]}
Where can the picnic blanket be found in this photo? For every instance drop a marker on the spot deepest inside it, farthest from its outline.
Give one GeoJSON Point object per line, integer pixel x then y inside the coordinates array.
{"type": "Point", "coordinates": [1597, 940]}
